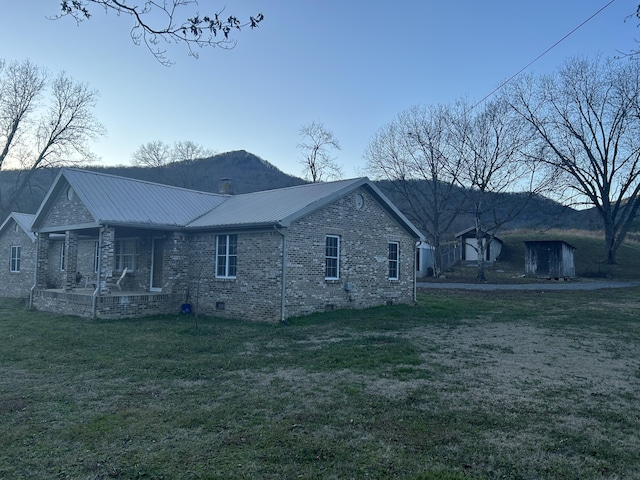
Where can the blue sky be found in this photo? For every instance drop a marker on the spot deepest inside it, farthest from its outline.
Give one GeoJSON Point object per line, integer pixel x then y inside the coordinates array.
{"type": "Point", "coordinates": [350, 65]}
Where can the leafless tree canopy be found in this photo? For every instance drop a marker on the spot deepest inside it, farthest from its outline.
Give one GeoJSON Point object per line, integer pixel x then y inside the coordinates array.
{"type": "Point", "coordinates": [176, 164]}
{"type": "Point", "coordinates": [496, 147]}
{"type": "Point", "coordinates": [587, 118]}
{"type": "Point", "coordinates": [152, 154]}
{"type": "Point", "coordinates": [414, 154]}
{"type": "Point", "coordinates": [174, 21]}
{"type": "Point", "coordinates": [45, 121]}
{"type": "Point", "coordinates": [159, 154]}
{"type": "Point", "coordinates": [316, 146]}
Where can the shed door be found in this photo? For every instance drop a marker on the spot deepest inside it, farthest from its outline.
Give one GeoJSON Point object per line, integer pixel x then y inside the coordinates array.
{"type": "Point", "coordinates": [157, 254]}
{"type": "Point", "coordinates": [544, 261]}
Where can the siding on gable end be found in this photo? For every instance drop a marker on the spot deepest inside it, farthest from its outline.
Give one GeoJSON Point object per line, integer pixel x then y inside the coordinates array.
{"type": "Point", "coordinates": [67, 212]}
{"type": "Point", "coordinates": [16, 284]}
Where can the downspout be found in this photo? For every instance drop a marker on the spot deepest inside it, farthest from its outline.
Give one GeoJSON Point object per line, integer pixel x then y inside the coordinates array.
{"type": "Point", "coordinates": [94, 296]}
{"type": "Point", "coordinates": [283, 293]}
{"type": "Point", "coordinates": [415, 275]}
{"type": "Point", "coordinates": [35, 272]}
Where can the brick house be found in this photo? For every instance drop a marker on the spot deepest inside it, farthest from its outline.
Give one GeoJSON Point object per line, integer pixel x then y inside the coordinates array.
{"type": "Point", "coordinates": [18, 252]}
{"type": "Point", "coordinates": [111, 247]}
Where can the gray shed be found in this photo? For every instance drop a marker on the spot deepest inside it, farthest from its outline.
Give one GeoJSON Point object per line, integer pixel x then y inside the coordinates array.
{"type": "Point", "coordinates": [549, 259]}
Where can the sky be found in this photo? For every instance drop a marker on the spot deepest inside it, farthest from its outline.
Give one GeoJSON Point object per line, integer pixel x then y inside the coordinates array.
{"type": "Point", "coordinates": [352, 66]}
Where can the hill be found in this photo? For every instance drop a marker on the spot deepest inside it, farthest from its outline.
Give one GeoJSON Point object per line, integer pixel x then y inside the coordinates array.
{"type": "Point", "coordinates": [247, 172]}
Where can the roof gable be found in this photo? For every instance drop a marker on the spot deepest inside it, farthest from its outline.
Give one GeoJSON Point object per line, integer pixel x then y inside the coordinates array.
{"type": "Point", "coordinates": [471, 233]}
{"type": "Point", "coordinates": [22, 220]}
{"type": "Point", "coordinates": [114, 200]}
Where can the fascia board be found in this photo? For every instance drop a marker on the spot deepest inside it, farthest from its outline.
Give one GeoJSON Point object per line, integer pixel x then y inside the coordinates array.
{"type": "Point", "coordinates": [312, 207]}
{"type": "Point", "coordinates": [55, 188]}
{"type": "Point", "coordinates": [393, 210]}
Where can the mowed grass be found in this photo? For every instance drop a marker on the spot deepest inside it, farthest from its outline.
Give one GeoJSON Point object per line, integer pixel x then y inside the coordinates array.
{"type": "Point", "coordinates": [465, 385]}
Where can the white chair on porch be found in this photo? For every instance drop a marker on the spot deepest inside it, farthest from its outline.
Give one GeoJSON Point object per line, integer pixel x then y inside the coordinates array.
{"type": "Point", "coordinates": [124, 273]}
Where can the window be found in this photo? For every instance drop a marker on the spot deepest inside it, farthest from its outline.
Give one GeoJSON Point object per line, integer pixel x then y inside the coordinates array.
{"type": "Point", "coordinates": [96, 256]}
{"type": "Point", "coordinates": [62, 255]}
{"type": "Point", "coordinates": [16, 252]}
{"type": "Point", "coordinates": [394, 248]}
{"type": "Point", "coordinates": [332, 257]}
{"type": "Point", "coordinates": [226, 256]}
{"type": "Point", "coordinates": [125, 255]}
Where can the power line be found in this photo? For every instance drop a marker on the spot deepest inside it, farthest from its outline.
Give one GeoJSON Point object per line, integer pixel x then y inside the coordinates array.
{"type": "Point", "coordinates": [541, 55]}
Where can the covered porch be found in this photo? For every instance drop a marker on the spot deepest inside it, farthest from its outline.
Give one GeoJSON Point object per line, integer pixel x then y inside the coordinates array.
{"type": "Point", "coordinates": [110, 273]}
{"type": "Point", "coordinates": [88, 304]}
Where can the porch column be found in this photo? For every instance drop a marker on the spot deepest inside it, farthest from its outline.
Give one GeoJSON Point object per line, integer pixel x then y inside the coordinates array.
{"type": "Point", "coordinates": [107, 250]}
{"type": "Point", "coordinates": [42, 261]}
{"type": "Point", "coordinates": [71, 260]}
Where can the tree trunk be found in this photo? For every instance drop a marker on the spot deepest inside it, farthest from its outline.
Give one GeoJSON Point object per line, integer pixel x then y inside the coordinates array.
{"type": "Point", "coordinates": [609, 242]}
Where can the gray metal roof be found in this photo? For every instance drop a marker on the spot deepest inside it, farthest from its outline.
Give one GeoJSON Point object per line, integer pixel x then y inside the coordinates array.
{"type": "Point", "coordinates": [24, 221]}
{"type": "Point", "coordinates": [123, 201]}
{"type": "Point", "coordinates": [280, 206]}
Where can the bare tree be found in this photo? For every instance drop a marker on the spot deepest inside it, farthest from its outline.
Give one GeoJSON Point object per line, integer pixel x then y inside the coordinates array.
{"type": "Point", "coordinates": [188, 151]}
{"type": "Point", "coordinates": [316, 146]}
{"type": "Point", "coordinates": [587, 118]}
{"type": "Point", "coordinates": [175, 21]}
{"type": "Point", "coordinates": [39, 130]}
{"type": "Point", "coordinates": [176, 164]}
{"type": "Point", "coordinates": [154, 154]}
{"type": "Point", "coordinates": [414, 154]}
{"type": "Point", "coordinates": [188, 168]}
{"type": "Point", "coordinates": [496, 148]}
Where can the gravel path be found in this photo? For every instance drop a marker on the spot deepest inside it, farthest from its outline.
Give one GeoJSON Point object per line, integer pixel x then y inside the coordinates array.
{"type": "Point", "coordinates": [551, 285]}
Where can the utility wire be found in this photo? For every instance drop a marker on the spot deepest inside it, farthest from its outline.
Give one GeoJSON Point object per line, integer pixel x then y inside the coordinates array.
{"type": "Point", "coordinates": [540, 56]}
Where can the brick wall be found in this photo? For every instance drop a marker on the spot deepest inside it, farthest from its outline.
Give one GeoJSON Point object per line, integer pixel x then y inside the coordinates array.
{"type": "Point", "coordinates": [68, 211]}
{"type": "Point", "coordinates": [255, 293]}
{"type": "Point", "coordinates": [365, 234]}
{"type": "Point", "coordinates": [16, 284]}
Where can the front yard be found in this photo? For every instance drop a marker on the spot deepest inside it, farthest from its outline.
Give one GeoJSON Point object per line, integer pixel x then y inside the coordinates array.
{"type": "Point", "coordinates": [479, 385]}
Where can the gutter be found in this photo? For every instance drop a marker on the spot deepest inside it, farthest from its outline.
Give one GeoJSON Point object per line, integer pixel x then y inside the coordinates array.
{"type": "Point", "coordinates": [283, 298]}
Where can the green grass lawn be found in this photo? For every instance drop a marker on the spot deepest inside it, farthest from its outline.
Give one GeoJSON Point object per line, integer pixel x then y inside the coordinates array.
{"type": "Point", "coordinates": [476, 385]}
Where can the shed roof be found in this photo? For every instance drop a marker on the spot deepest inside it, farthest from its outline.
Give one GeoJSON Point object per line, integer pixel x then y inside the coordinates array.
{"type": "Point", "coordinates": [466, 231]}
{"type": "Point", "coordinates": [531, 242]}
{"type": "Point", "coordinates": [24, 221]}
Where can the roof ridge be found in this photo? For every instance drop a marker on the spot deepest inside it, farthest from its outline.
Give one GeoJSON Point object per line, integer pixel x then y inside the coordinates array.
{"type": "Point", "coordinates": [304, 185]}
{"type": "Point", "coordinates": [136, 180]}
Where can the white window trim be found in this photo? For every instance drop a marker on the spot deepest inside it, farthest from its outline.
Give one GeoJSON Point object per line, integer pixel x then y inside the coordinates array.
{"type": "Point", "coordinates": [336, 258]}
{"type": "Point", "coordinates": [396, 261]}
{"type": "Point", "coordinates": [15, 260]}
{"type": "Point", "coordinates": [62, 256]}
{"type": "Point", "coordinates": [227, 256]}
{"type": "Point", "coordinates": [118, 258]}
